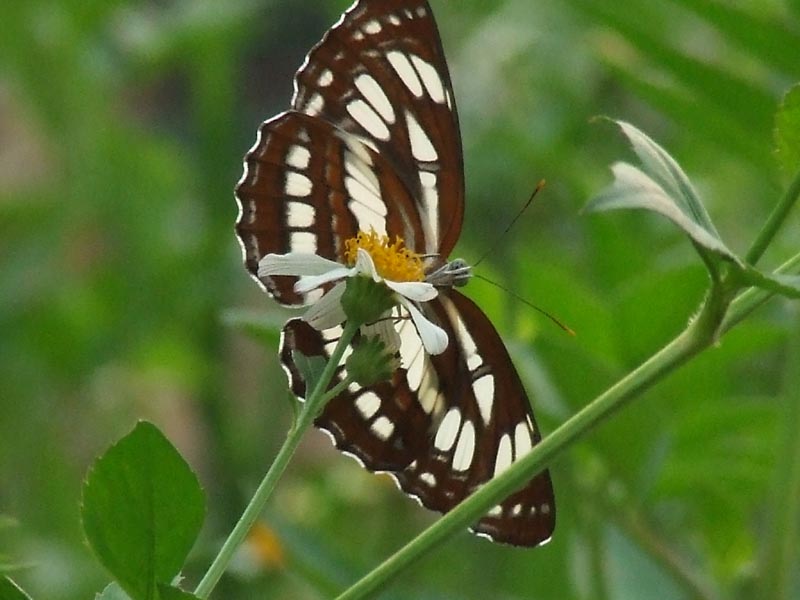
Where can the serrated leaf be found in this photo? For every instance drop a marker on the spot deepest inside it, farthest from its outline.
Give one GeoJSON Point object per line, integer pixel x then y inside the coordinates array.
{"type": "Point", "coordinates": [787, 131]}
{"type": "Point", "coordinates": [310, 367]}
{"type": "Point", "coordinates": [142, 510]}
{"type": "Point", "coordinates": [11, 591]}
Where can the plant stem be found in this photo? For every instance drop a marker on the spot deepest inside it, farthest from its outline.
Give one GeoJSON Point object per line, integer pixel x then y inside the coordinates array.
{"type": "Point", "coordinates": [312, 406]}
{"type": "Point", "coordinates": [781, 549]}
{"type": "Point", "coordinates": [774, 222]}
{"type": "Point", "coordinates": [697, 336]}
{"type": "Point", "coordinates": [749, 300]}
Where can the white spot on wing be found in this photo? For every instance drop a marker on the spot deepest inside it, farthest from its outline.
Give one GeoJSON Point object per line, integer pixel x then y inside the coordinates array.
{"type": "Point", "coordinates": [428, 479]}
{"type": "Point", "coordinates": [495, 511]}
{"type": "Point", "coordinates": [362, 171]}
{"type": "Point", "coordinates": [297, 184]}
{"type": "Point", "coordinates": [370, 89]}
{"type": "Point", "coordinates": [366, 116]}
{"type": "Point", "coordinates": [504, 456]}
{"type": "Point", "coordinates": [394, 20]}
{"type": "Point", "coordinates": [382, 427]}
{"type": "Point", "coordinates": [405, 71]}
{"type": "Point", "coordinates": [430, 194]}
{"type": "Point", "coordinates": [448, 430]}
{"type": "Point", "coordinates": [298, 157]}
{"type": "Point", "coordinates": [372, 27]}
{"type": "Point", "coordinates": [484, 394]}
{"type": "Point", "coordinates": [325, 78]}
{"type": "Point", "coordinates": [299, 214]}
{"type": "Point", "coordinates": [315, 105]}
{"type": "Point", "coordinates": [367, 218]}
{"type": "Point", "coordinates": [433, 83]}
{"type": "Point", "coordinates": [522, 440]}
{"type": "Point", "coordinates": [368, 404]}
{"type": "Point", "coordinates": [303, 241]}
{"type": "Point", "coordinates": [421, 145]}
{"type": "Point", "coordinates": [465, 449]}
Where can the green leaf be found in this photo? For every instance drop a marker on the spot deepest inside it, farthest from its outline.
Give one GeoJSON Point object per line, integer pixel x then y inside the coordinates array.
{"type": "Point", "coordinates": [167, 592]}
{"type": "Point", "coordinates": [787, 131]}
{"type": "Point", "coordinates": [753, 31]}
{"type": "Point", "coordinates": [660, 186]}
{"type": "Point", "coordinates": [113, 592]}
{"type": "Point", "coordinates": [142, 510]}
{"type": "Point", "coordinates": [10, 591]}
{"type": "Point", "coordinates": [310, 367]}
{"type": "Point", "coordinates": [265, 328]}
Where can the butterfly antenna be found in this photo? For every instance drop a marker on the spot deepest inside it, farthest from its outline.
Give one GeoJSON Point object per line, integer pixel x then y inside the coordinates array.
{"type": "Point", "coordinates": [492, 248]}
{"type": "Point", "coordinates": [527, 303]}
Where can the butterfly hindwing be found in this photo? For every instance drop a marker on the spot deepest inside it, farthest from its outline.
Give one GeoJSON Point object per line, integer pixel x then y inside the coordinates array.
{"type": "Point", "coordinates": [445, 424]}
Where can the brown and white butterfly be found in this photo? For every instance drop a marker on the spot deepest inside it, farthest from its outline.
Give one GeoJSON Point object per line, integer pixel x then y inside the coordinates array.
{"type": "Point", "coordinates": [372, 141]}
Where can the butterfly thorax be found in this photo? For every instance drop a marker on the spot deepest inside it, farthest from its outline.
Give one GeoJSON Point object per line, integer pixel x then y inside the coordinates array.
{"type": "Point", "coordinates": [455, 273]}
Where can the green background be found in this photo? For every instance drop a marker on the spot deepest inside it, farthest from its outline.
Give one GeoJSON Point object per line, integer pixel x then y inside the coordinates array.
{"type": "Point", "coordinates": [122, 129]}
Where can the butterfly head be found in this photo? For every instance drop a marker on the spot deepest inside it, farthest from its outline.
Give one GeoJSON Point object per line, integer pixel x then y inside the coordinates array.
{"type": "Point", "coordinates": [455, 273]}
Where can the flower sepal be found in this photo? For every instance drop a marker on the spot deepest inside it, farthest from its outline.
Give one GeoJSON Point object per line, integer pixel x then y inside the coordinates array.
{"type": "Point", "coordinates": [371, 361]}
{"type": "Point", "coordinates": [365, 300]}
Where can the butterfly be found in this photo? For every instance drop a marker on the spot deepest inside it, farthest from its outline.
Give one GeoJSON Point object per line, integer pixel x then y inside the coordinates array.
{"type": "Point", "coordinates": [372, 142]}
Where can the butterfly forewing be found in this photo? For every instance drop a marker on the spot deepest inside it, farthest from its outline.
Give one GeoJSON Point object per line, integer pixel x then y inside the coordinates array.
{"type": "Point", "coordinates": [308, 186]}
{"type": "Point", "coordinates": [380, 74]}
{"type": "Point", "coordinates": [445, 424]}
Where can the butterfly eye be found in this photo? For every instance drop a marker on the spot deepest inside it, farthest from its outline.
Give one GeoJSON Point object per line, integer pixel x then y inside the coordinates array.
{"type": "Point", "coordinates": [371, 143]}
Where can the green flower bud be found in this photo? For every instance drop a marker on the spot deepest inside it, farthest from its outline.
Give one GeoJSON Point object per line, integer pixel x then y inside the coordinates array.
{"type": "Point", "coordinates": [371, 362]}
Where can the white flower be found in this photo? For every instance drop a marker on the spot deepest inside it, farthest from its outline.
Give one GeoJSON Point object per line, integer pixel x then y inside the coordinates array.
{"type": "Point", "coordinates": [315, 271]}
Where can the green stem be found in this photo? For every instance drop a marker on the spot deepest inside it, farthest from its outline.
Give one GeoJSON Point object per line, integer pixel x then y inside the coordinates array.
{"type": "Point", "coordinates": [312, 406]}
{"type": "Point", "coordinates": [782, 545]}
{"type": "Point", "coordinates": [774, 222]}
{"type": "Point", "coordinates": [752, 298]}
{"type": "Point", "coordinates": [700, 334]}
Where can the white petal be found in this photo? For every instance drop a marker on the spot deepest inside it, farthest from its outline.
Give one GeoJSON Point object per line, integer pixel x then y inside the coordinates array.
{"type": "Point", "coordinates": [309, 282]}
{"type": "Point", "coordinates": [365, 264]}
{"type": "Point", "coordinates": [384, 329]}
{"type": "Point", "coordinates": [294, 263]}
{"type": "Point", "coordinates": [418, 291]}
{"type": "Point", "coordinates": [433, 337]}
{"type": "Point", "coordinates": [327, 312]}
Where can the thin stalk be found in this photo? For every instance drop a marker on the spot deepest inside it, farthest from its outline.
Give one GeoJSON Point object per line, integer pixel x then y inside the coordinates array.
{"type": "Point", "coordinates": [696, 337]}
{"type": "Point", "coordinates": [774, 222]}
{"type": "Point", "coordinates": [313, 404]}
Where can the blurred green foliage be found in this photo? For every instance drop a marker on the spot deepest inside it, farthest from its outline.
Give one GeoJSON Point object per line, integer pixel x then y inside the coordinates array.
{"type": "Point", "coordinates": [122, 127]}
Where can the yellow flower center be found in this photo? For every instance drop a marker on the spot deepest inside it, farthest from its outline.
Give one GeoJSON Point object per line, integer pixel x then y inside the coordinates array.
{"type": "Point", "coordinates": [393, 261]}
